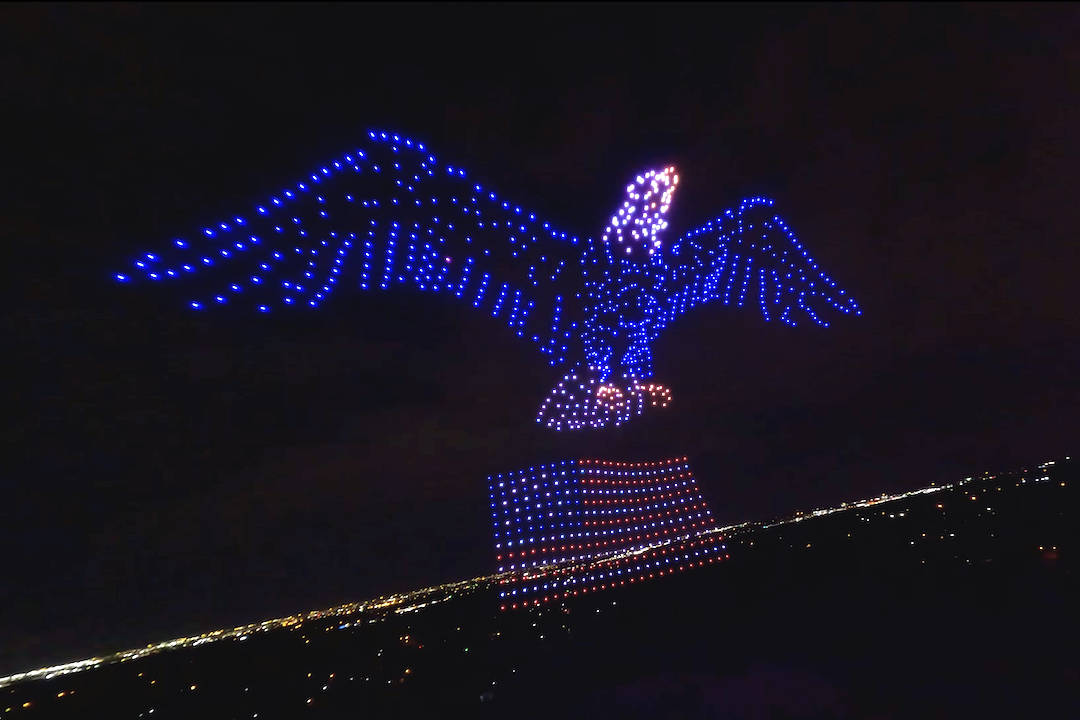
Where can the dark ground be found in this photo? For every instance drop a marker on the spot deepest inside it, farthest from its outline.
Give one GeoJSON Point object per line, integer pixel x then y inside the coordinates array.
{"type": "Point", "coordinates": [856, 614]}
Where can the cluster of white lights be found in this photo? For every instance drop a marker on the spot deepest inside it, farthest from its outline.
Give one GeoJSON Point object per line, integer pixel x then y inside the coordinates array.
{"type": "Point", "coordinates": [400, 218]}
{"type": "Point", "coordinates": [577, 510]}
{"type": "Point", "coordinates": [648, 200]}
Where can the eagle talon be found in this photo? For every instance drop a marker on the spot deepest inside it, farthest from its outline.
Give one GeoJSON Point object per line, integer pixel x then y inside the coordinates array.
{"type": "Point", "coordinates": [583, 400]}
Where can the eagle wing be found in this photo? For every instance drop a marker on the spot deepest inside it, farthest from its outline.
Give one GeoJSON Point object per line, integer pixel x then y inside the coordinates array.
{"type": "Point", "coordinates": [385, 214]}
{"type": "Point", "coordinates": [751, 257]}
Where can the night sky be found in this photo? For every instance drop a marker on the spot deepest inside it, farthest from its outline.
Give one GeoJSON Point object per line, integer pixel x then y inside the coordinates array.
{"type": "Point", "coordinates": [170, 472]}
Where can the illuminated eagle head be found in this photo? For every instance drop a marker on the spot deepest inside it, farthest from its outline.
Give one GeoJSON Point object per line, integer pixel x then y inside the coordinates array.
{"type": "Point", "coordinates": [634, 229]}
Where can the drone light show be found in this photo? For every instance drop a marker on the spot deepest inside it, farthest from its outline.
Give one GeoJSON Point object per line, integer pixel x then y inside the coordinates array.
{"type": "Point", "coordinates": [586, 525]}
{"type": "Point", "coordinates": [388, 214]}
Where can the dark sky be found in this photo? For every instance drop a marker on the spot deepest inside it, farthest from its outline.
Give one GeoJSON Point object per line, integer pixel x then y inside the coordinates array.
{"type": "Point", "coordinates": [171, 472]}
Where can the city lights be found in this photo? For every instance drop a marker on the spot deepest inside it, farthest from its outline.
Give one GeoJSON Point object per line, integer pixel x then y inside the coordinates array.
{"type": "Point", "coordinates": [611, 498]}
{"type": "Point", "coordinates": [389, 214]}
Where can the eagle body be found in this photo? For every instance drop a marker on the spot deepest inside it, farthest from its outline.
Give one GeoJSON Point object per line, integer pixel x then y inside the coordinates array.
{"type": "Point", "coordinates": [387, 213]}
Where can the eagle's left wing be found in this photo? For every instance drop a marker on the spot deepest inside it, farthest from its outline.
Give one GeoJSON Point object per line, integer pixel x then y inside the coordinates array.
{"type": "Point", "coordinates": [750, 257]}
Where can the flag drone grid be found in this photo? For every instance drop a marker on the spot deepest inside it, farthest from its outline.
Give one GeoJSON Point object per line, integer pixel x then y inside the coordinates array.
{"type": "Point", "coordinates": [533, 588]}
{"type": "Point", "coordinates": [389, 214]}
{"type": "Point", "coordinates": [584, 525]}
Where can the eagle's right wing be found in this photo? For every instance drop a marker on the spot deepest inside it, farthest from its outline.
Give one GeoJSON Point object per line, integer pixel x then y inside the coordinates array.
{"type": "Point", "coordinates": [751, 257]}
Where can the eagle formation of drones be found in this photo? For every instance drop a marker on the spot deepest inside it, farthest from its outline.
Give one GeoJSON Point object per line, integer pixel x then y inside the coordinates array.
{"type": "Point", "coordinates": [388, 213]}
